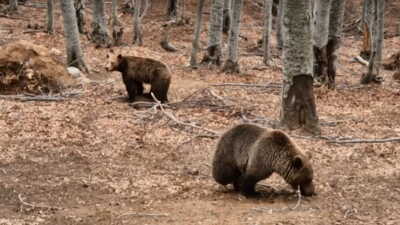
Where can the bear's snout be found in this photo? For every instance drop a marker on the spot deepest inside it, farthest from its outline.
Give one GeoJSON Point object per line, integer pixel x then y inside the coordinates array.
{"type": "Point", "coordinates": [307, 189]}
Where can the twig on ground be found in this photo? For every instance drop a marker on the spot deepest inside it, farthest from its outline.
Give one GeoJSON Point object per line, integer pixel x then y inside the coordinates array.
{"type": "Point", "coordinates": [361, 60]}
{"type": "Point", "coordinates": [143, 214]}
{"type": "Point", "coordinates": [270, 85]}
{"type": "Point", "coordinates": [355, 141]}
{"type": "Point", "coordinates": [24, 98]}
{"type": "Point", "coordinates": [298, 198]}
{"type": "Point", "coordinates": [23, 202]}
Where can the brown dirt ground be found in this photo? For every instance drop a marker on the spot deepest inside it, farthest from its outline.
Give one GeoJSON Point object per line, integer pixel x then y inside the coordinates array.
{"type": "Point", "coordinates": [96, 160]}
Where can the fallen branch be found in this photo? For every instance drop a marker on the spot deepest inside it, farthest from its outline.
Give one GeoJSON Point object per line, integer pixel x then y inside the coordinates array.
{"type": "Point", "coordinates": [23, 202]}
{"type": "Point", "coordinates": [24, 98]}
{"type": "Point", "coordinates": [143, 214]}
{"type": "Point", "coordinates": [361, 60]}
{"type": "Point", "coordinates": [270, 85]}
{"type": "Point", "coordinates": [354, 141]}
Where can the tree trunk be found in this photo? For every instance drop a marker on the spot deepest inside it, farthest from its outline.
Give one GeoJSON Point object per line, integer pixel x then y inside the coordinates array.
{"type": "Point", "coordinates": [140, 11]}
{"type": "Point", "coordinates": [298, 103]}
{"type": "Point", "coordinates": [231, 64]}
{"type": "Point", "coordinates": [74, 52]}
{"type": "Point", "coordinates": [80, 15]}
{"type": "Point", "coordinates": [172, 8]}
{"type": "Point", "coordinates": [279, 25]}
{"type": "Point", "coordinates": [267, 29]}
{"type": "Point", "coordinates": [214, 52]}
{"type": "Point", "coordinates": [117, 29]}
{"type": "Point", "coordinates": [13, 5]}
{"type": "Point", "coordinates": [50, 17]}
{"type": "Point", "coordinates": [366, 21]}
{"type": "Point", "coordinates": [335, 32]}
{"type": "Point", "coordinates": [99, 28]}
{"type": "Point", "coordinates": [321, 31]}
{"type": "Point", "coordinates": [227, 16]}
{"type": "Point", "coordinates": [195, 47]}
{"type": "Point", "coordinates": [377, 43]}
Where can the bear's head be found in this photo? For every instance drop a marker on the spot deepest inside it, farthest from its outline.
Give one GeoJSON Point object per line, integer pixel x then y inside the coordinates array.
{"type": "Point", "coordinates": [302, 175]}
{"type": "Point", "coordinates": [113, 61]}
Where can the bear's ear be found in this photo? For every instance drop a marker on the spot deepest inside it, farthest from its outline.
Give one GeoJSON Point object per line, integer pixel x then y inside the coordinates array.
{"type": "Point", "coordinates": [279, 138]}
{"type": "Point", "coordinates": [119, 56]}
{"type": "Point", "coordinates": [297, 162]}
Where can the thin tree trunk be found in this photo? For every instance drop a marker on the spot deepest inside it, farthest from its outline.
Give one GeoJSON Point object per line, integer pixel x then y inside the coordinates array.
{"type": "Point", "coordinates": [321, 31]}
{"type": "Point", "coordinates": [231, 64]}
{"type": "Point", "coordinates": [50, 17]}
{"type": "Point", "coordinates": [227, 16]}
{"type": "Point", "coordinates": [74, 52]}
{"type": "Point", "coordinates": [13, 5]}
{"type": "Point", "coordinates": [366, 21]}
{"type": "Point", "coordinates": [279, 25]}
{"type": "Point", "coordinates": [334, 38]}
{"type": "Point", "coordinates": [267, 29]}
{"type": "Point", "coordinates": [172, 8]}
{"type": "Point", "coordinates": [117, 29]}
{"type": "Point", "coordinates": [195, 44]}
{"type": "Point", "coordinates": [80, 15]}
{"type": "Point", "coordinates": [99, 28]}
{"type": "Point", "coordinates": [298, 102]}
{"type": "Point", "coordinates": [214, 52]}
{"type": "Point", "coordinates": [137, 23]}
{"type": "Point", "coordinates": [377, 43]}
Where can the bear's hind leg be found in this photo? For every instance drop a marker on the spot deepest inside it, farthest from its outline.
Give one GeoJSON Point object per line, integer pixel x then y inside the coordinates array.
{"type": "Point", "coordinates": [160, 89]}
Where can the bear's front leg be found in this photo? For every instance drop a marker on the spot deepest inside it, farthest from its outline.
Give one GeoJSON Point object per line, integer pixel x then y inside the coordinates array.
{"type": "Point", "coordinates": [248, 184]}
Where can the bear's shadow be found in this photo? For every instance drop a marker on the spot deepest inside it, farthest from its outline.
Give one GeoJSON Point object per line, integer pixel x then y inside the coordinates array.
{"type": "Point", "coordinates": [265, 192]}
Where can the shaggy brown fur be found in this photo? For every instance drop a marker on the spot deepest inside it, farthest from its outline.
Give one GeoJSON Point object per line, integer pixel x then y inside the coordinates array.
{"type": "Point", "coordinates": [137, 70]}
{"type": "Point", "coordinates": [247, 154]}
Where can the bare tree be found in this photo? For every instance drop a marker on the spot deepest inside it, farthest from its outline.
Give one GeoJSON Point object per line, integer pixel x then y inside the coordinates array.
{"type": "Point", "coordinates": [377, 30]}
{"type": "Point", "coordinates": [195, 44]}
{"type": "Point", "coordinates": [50, 17]}
{"type": "Point", "coordinates": [279, 25]}
{"type": "Point", "coordinates": [13, 5]}
{"type": "Point", "coordinates": [298, 102]}
{"type": "Point", "coordinates": [231, 64]}
{"type": "Point", "coordinates": [214, 52]}
{"type": "Point", "coordinates": [99, 28]}
{"type": "Point", "coordinates": [267, 29]}
{"type": "Point", "coordinates": [227, 16]}
{"type": "Point", "coordinates": [140, 11]}
{"type": "Point", "coordinates": [172, 8]}
{"type": "Point", "coordinates": [321, 31]}
{"type": "Point", "coordinates": [117, 28]}
{"type": "Point", "coordinates": [334, 39]}
{"type": "Point", "coordinates": [80, 15]}
{"type": "Point", "coordinates": [74, 52]}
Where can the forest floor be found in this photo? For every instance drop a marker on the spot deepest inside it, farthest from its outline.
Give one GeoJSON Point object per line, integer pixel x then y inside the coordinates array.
{"type": "Point", "coordinates": [95, 159]}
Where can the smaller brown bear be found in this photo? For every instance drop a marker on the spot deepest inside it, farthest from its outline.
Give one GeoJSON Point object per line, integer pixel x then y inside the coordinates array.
{"type": "Point", "coordinates": [248, 153]}
{"type": "Point", "coordinates": [137, 70]}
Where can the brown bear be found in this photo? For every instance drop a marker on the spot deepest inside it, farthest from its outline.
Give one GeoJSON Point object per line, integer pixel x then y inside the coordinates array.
{"type": "Point", "coordinates": [137, 70]}
{"type": "Point", "coordinates": [248, 153]}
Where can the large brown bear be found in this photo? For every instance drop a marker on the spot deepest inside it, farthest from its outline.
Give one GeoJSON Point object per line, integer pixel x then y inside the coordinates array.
{"type": "Point", "coordinates": [137, 70]}
{"type": "Point", "coordinates": [247, 154]}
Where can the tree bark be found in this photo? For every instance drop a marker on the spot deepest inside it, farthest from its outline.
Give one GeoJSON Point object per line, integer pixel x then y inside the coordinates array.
{"type": "Point", "coordinates": [214, 52]}
{"type": "Point", "coordinates": [50, 17]}
{"type": "Point", "coordinates": [267, 30]}
{"type": "Point", "coordinates": [195, 44]}
{"type": "Point", "coordinates": [80, 15]}
{"type": "Point", "coordinates": [13, 5]}
{"type": "Point", "coordinates": [334, 39]}
{"type": "Point", "coordinates": [227, 16]}
{"type": "Point", "coordinates": [375, 61]}
{"type": "Point", "coordinates": [74, 52]}
{"type": "Point", "coordinates": [99, 28]}
{"type": "Point", "coordinates": [298, 102]}
{"type": "Point", "coordinates": [321, 31]}
{"type": "Point", "coordinates": [279, 25]}
{"type": "Point", "coordinates": [231, 64]}
{"type": "Point", "coordinates": [117, 29]}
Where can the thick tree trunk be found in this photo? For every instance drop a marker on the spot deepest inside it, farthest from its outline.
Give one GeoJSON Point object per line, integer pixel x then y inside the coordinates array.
{"type": "Point", "coordinates": [298, 103]}
{"type": "Point", "coordinates": [377, 43]}
{"type": "Point", "coordinates": [231, 64]}
{"type": "Point", "coordinates": [267, 30]}
{"type": "Point", "coordinates": [80, 15]}
{"type": "Point", "coordinates": [117, 29]}
{"type": "Point", "coordinates": [227, 16]}
{"type": "Point", "coordinates": [195, 44]}
{"type": "Point", "coordinates": [74, 52]}
{"type": "Point", "coordinates": [279, 25]}
{"type": "Point", "coordinates": [13, 5]}
{"type": "Point", "coordinates": [214, 52]}
{"type": "Point", "coordinates": [50, 17]}
{"type": "Point", "coordinates": [140, 12]}
{"type": "Point", "coordinates": [99, 28]}
{"type": "Point", "coordinates": [321, 31]}
{"type": "Point", "coordinates": [335, 33]}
